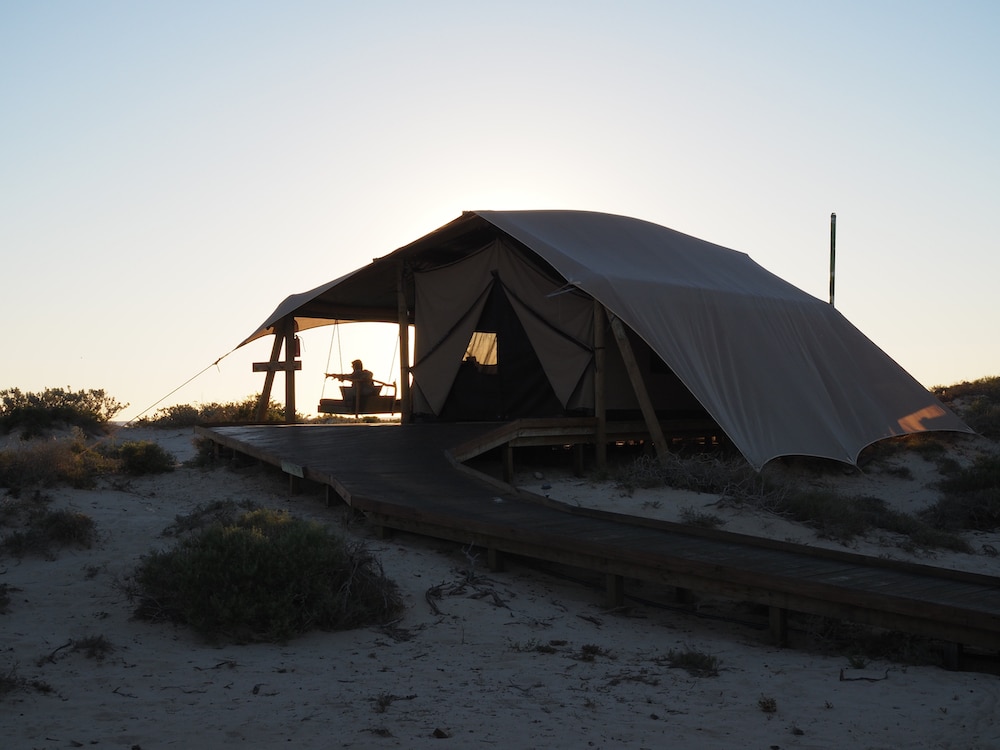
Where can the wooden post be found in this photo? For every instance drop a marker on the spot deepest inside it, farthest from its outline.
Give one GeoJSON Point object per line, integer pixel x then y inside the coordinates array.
{"type": "Point", "coordinates": [600, 388]}
{"type": "Point", "coordinates": [265, 394]}
{"type": "Point", "coordinates": [953, 656]}
{"type": "Point", "coordinates": [614, 589]}
{"type": "Point", "coordinates": [494, 560]}
{"type": "Point", "coordinates": [405, 407]}
{"type": "Point", "coordinates": [508, 463]}
{"type": "Point", "coordinates": [778, 622]}
{"type": "Point", "coordinates": [289, 370]}
{"type": "Point", "coordinates": [284, 333]}
{"type": "Point", "coordinates": [635, 376]}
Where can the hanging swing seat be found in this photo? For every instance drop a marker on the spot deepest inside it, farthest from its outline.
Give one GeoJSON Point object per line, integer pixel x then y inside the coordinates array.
{"type": "Point", "coordinates": [352, 402]}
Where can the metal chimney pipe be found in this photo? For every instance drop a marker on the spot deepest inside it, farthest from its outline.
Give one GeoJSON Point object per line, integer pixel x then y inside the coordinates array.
{"type": "Point", "coordinates": [833, 252]}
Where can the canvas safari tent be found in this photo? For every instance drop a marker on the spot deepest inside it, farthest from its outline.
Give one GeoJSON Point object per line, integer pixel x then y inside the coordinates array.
{"type": "Point", "coordinates": [511, 310]}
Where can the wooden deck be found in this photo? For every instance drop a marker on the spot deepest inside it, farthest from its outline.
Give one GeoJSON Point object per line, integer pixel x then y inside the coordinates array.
{"type": "Point", "coordinates": [406, 477]}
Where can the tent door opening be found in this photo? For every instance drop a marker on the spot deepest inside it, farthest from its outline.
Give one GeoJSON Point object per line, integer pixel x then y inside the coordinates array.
{"type": "Point", "coordinates": [500, 376]}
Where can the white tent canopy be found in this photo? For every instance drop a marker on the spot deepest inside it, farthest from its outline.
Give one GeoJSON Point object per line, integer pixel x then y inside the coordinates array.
{"type": "Point", "coordinates": [781, 372]}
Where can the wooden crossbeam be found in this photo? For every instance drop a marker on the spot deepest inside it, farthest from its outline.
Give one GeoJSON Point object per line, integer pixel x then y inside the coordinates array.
{"type": "Point", "coordinates": [277, 366]}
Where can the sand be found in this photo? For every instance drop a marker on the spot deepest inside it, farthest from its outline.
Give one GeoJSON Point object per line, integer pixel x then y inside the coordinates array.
{"type": "Point", "coordinates": [525, 658]}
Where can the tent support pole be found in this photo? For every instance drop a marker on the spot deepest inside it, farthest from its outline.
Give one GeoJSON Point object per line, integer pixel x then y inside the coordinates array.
{"type": "Point", "coordinates": [289, 370]}
{"type": "Point", "coordinates": [600, 387]}
{"type": "Point", "coordinates": [265, 394]}
{"type": "Point", "coordinates": [405, 410]}
{"type": "Point", "coordinates": [634, 375]}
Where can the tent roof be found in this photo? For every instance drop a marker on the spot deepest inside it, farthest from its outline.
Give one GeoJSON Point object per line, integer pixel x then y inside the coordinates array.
{"type": "Point", "coordinates": [782, 372]}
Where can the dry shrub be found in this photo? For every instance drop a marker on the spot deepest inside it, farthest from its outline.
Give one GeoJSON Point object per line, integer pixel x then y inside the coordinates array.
{"type": "Point", "coordinates": [700, 472]}
{"type": "Point", "coordinates": [970, 497]}
{"type": "Point", "coordinates": [38, 464]}
{"type": "Point", "coordinates": [46, 530]}
{"type": "Point", "coordinates": [265, 577]}
{"type": "Point", "coordinates": [12, 682]}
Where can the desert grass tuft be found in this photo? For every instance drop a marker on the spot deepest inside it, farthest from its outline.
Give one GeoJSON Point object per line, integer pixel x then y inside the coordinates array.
{"type": "Point", "coordinates": [50, 529]}
{"type": "Point", "coordinates": [695, 663]}
{"type": "Point", "coordinates": [41, 464]}
{"type": "Point", "coordinates": [215, 513]}
{"type": "Point", "coordinates": [831, 514]}
{"type": "Point", "coordinates": [12, 682]}
{"type": "Point", "coordinates": [93, 647]}
{"type": "Point", "coordinates": [5, 589]}
{"type": "Point", "coordinates": [767, 704]}
{"type": "Point", "coordinates": [700, 519]}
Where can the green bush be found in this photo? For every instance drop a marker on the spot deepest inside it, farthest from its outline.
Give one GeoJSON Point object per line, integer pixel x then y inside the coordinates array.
{"type": "Point", "coordinates": [266, 577]}
{"type": "Point", "coordinates": [977, 402]}
{"type": "Point", "coordinates": [988, 387]}
{"type": "Point", "coordinates": [231, 412]}
{"type": "Point", "coordinates": [35, 414]}
{"type": "Point", "coordinates": [179, 415]}
{"type": "Point", "coordinates": [971, 497]}
{"type": "Point", "coordinates": [140, 457]}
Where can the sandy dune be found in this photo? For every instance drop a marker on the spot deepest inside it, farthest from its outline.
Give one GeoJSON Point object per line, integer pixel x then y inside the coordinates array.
{"type": "Point", "coordinates": [527, 658]}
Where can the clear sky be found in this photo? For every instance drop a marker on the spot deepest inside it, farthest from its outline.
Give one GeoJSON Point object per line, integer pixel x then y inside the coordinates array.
{"type": "Point", "coordinates": [169, 172]}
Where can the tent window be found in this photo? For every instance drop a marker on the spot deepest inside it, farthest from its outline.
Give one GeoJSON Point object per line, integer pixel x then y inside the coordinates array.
{"type": "Point", "coordinates": [482, 350]}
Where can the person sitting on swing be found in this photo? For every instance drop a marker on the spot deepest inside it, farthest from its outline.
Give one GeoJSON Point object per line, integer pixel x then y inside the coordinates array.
{"type": "Point", "coordinates": [359, 377]}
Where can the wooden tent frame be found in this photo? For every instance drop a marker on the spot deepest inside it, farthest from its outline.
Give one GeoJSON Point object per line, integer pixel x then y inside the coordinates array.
{"type": "Point", "coordinates": [603, 321]}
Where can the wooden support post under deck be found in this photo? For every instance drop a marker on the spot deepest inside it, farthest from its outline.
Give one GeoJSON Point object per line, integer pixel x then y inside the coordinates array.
{"type": "Point", "coordinates": [600, 387]}
{"type": "Point", "coordinates": [778, 620]}
{"type": "Point", "coordinates": [508, 463]}
{"type": "Point", "coordinates": [635, 376]}
{"type": "Point", "coordinates": [953, 656]}
{"type": "Point", "coordinates": [615, 590]}
{"type": "Point", "coordinates": [405, 406]}
{"type": "Point", "coordinates": [494, 560]}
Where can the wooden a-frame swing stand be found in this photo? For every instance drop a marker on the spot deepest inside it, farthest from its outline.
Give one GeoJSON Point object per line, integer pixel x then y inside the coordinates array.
{"type": "Point", "coordinates": [284, 336]}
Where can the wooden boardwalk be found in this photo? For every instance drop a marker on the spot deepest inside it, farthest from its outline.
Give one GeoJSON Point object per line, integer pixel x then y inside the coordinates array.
{"type": "Point", "coordinates": [405, 477]}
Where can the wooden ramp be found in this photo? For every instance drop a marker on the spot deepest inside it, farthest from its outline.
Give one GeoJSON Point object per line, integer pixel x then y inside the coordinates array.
{"type": "Point", "coordinates": [405, 477]}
